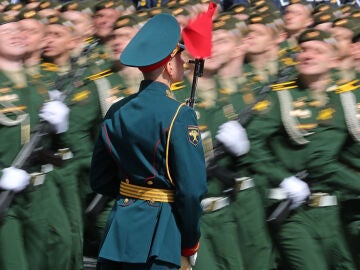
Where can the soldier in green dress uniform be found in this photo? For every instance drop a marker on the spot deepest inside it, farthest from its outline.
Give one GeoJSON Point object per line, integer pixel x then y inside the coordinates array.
{"type": "Point", "coordinates": [85, 115]}
{"type": "Point", "coordinates": [220, 250]}
{"type": "Point", "coordinates": [297, 17]}
{"type": "Point", "coordinates": [117, 83]}
{"type": "Point", "coordinates": [247, 205]}
{"type": "Point", "coordinates": [98, 55]}
{"type": "Point", "coordinates": [149, 156]}
{"type": "Point", "coordinates": [303, 128]}
{"type": "Point", "coordinates": [105, 15]}
{"type": "Point", "coordinates": [57, 224]}
{"type": "Point", "coordinates": [345, 31]}
{"type": "Point", "coordinates": [24, 233]}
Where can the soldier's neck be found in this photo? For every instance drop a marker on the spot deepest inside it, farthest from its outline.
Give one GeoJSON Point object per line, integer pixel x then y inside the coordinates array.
{"type": "Point", "coordinates": [11, 64]}
{"type": "Point", "coordinates": [346, 64]}
{"type": "Point", "coordinates": [231, 69]}
{"type": "Point", "coordinates": [61, 60]}
{"type": "Point", "coordinates": [259, 61]}
{"type": "Point", "coordinates": [316, 83]}
{"type": "Point", "coordinates": [32, 59]}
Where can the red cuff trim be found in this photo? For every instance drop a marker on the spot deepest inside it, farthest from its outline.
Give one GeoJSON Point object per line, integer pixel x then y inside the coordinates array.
{"type": "Point", "coordinates": [187, 252]}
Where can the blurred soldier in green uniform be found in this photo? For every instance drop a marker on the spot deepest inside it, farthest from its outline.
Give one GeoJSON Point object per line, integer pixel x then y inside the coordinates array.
{"type": "Point", "coordinates": [57, 224]}
{"type": "Point", "coordinates": [302, 127]}
{"type": "Point", "coordinates": [149, 156]}
{"type": "Point", "coordinates": [220, 250]}
{"type": "Point", "coordinates": [105, 15]}
{"type": "Point", "coordinates": [85, 113]}
{"type": "Point", "coordinates": [98, 57]}
{"type": "Point", "coordinates": [297, 17]}
{"type": "Point", "coordinates": [119, 82]}
{"type": "Point", "coordinates": [345, 31]}
{"type": "Point", "coordinates": [247, 206]}
{"type": "Point", "coordinates": [124, 30]}
{"type": "Point", "coordinates": [34, 30]}
{"type": "Point", "coordinates": [24, 233]}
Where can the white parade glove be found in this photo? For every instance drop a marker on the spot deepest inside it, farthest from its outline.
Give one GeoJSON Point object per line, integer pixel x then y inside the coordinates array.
{"type": "Point", "coordinates": [296, 189]}
{"type": "Point", "coordinates": [14, 179]}
{"type": "Point", "coordinates": [55, 94]}
{"type": "Point", "coordinates": [192, 259]}
{"type": "Point", "coordinates": [233, 136]}
{"type": "Point", "coordinates": [57, 114]}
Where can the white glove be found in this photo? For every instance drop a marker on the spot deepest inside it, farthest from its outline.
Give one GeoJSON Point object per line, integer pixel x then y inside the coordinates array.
{"type": "Point", "coordinates": [57, 114]}
{"type": "Point", "coordinates": [296, 189]}
{"type": "Point", "coordinates": [14, 179]}
{"type": "Point", "coordinates": [55, 94]}
{"type": "Point", "coordinates": [233, 136]}
{"type": "Point", "coordinates": [192, 259]}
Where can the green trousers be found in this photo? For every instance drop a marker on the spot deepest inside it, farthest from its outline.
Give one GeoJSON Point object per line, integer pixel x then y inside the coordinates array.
{"type": "Point", "coordinates": [312, 238]}
{"type": "Point", "coordinates": [219, 243]}
{"type": "Point", "coordinates": [36, 231]}
{"type": "Point", "coordinates": [257, 248]}
{"type": "Point", "coordinates": [67, 185]}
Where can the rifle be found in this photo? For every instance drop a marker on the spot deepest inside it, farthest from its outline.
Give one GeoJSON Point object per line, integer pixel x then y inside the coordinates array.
{"type": "Point", "coordinates": [246, 114]}
{"type": "Point", "coordinates": [198, 72]}
{"type": "Point", "coordinates": [42, 130]}
{"type": "Point", "coordinates": [283, 210]}
{"type": "Point", "coordinates": [244, 117]}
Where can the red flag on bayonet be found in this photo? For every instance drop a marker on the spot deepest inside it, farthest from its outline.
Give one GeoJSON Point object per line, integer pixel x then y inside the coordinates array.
{"type": "Point", "coordinates": [197, 34]}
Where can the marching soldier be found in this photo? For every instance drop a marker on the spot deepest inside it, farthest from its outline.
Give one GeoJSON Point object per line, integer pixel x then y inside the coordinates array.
{"type": "Point", "coordinates": [25, 229]}
{"type": "Point", "coordinates": [345, 31]}
{"type": "Point", "coordinates": [116, 83]}
{"type": "Point", "coordinates": [76, 145]}
{"type": "Point", "coordinates": [297, 17]}
{"type": "Point", "coordinates": [293, 134]}
{"type": "Point", "coordinates": [220, 250]}
{"type": "Point", "coordinates": [57, 224]}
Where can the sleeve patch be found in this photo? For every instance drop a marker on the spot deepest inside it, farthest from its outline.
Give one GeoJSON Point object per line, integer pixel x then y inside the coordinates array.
{"type": "Point", "coordinates": [193, 135]}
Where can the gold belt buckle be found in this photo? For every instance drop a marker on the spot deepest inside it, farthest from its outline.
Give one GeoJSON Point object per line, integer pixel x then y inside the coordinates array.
{"type": "Point", "coordinates": [65, 153]}
{"type": "Point", "coordinates": [210, 207]}
{"type": "Point", "coordinates": [37, 178]}
{"type": "Point", "coordinates": [239, 182]}
{"type": "Point", "coordinates": [315, 198]}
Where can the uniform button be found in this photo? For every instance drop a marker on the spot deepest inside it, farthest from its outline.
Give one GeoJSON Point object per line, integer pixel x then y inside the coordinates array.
{"type": "Point", "coordinates": [126, 200]}
{"type": "Point", "coordinates": [152, 201]}
{"type": "Point", "coordinates": [150, 182]}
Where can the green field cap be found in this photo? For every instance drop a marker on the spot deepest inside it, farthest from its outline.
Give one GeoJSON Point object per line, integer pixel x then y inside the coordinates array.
{"type": "Point", "coordinates": [7, 18]}
{"type": "Point", "coordinates": [125, 21]}
{"type": "Point", "coordinates": [316, 34]}
{"type": "Point", "coordinates": [153, 44]}
{"type": "Point", "coordinates": [348, 23]}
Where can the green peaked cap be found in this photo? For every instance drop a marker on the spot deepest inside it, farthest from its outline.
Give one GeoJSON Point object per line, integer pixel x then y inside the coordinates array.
{"type": "Point", "coordinates": [154, 42]}
{"type": "Point", "coordinates": [316, 34]}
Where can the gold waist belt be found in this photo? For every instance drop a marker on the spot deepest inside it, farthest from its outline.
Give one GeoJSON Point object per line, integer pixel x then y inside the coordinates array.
{"type": "Point", "coordinates": [147, 194]}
